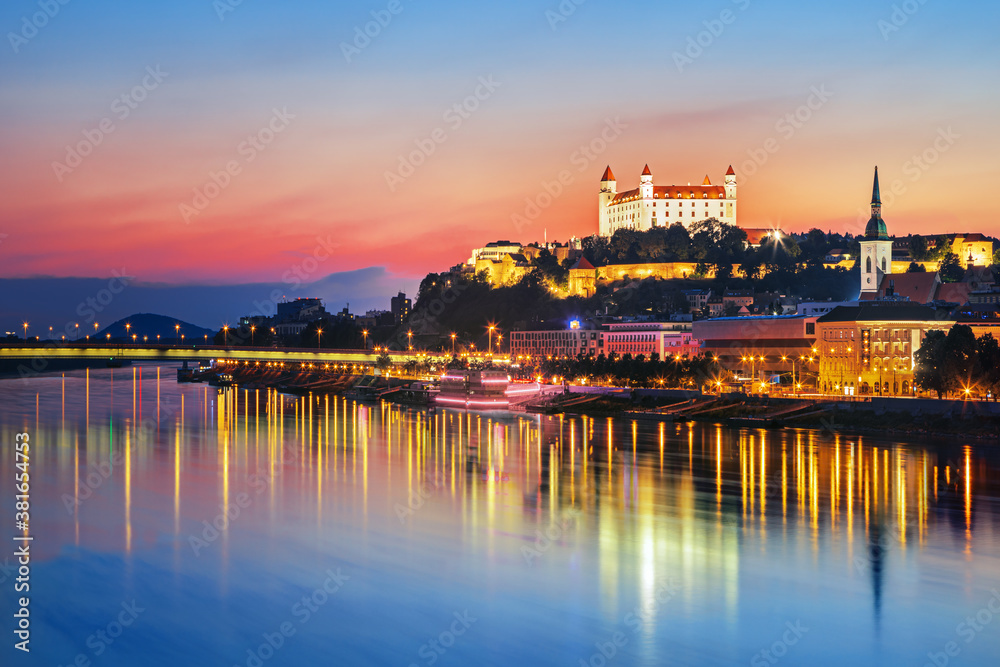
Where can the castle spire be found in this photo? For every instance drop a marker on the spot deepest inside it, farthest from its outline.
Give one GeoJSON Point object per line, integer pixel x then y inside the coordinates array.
{"type": "Point", "coordinates": [646, 171]}
{"type": "Point", "coordinates": [608, 175]}
{"type": "Point", "coordinates": [876, 196]}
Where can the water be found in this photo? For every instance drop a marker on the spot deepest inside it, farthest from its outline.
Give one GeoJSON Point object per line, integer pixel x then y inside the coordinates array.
{"type": "Point", "coordinates": [378, 535]}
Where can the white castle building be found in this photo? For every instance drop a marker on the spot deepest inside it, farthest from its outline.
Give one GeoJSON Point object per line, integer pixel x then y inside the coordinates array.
{"type": "Point", "coordinates": [651, 205]}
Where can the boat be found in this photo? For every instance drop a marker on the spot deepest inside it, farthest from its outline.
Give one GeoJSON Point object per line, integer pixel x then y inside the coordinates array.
{"type": "Point", "coordinates": [185, 373]}
{"type": "Point", "coordinates": [221, 380]}
{"type": "Point", "coordinates": [474, 390]}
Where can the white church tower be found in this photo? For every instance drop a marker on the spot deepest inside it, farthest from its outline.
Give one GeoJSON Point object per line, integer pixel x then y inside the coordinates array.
{"type": "Point", "coordinates": [876, 248]}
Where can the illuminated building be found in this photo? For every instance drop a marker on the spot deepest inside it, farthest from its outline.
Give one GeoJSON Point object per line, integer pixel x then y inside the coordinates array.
{"type": "Point", "coordinates": [868, 349]}
{"type": "Point", "coordinates": [755, 346]}
{"type": "Point", "coordinates": [651, 205]}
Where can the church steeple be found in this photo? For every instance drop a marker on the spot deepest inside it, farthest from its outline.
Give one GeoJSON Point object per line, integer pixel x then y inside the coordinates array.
{"type": "Point", "coordinates": [876, 197]}
{"type": "Point", "coordinates": [876, 228]}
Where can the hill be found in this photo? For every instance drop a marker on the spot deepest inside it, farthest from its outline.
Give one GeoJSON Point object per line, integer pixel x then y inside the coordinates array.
{"type": "Point", "coordinates": [152, 325]}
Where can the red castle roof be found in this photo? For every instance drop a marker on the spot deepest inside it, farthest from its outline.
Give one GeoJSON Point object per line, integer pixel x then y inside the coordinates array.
{"type": "Point", "coordinates": [608, 174]}
{"type": "Point", "coordinates": [675, 192]}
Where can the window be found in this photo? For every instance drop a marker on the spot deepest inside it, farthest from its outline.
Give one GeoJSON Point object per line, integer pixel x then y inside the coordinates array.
{"type": "Point", "coordinates": [810, 328]}
{"type": "Point", "coordinates": [868, 265]}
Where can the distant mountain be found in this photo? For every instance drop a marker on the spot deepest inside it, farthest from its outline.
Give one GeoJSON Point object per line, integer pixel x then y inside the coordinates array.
{"type": "Point", "coordinates": [151, 325]}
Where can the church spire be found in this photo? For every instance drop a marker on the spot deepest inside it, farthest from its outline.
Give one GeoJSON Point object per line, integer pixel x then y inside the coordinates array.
{"type": "Point", "coordinates": [876, 228]}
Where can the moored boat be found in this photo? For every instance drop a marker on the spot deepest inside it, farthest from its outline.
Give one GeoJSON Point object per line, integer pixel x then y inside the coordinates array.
{"type": "Point", "coordinates": [474, 390]}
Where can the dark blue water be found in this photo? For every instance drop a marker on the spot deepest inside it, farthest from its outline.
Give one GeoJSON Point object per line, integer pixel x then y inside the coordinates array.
{"type": "Point", "coordinates": [374, 535]}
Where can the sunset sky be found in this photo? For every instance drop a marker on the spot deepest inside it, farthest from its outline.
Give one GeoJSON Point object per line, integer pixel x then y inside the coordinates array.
{"type": "Point", "coordinates": [891, 87]}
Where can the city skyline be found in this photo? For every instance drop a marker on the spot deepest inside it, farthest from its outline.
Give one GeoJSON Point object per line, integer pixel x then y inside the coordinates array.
{"type": "Point", "coordinates": [307, 134]}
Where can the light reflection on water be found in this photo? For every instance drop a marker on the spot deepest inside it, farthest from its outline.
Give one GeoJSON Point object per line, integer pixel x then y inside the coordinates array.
{"type": "Point", "coordinates": [695, 543]}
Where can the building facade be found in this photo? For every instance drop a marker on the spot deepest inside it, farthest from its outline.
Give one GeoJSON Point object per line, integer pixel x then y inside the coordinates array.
{"type": "Point", "coordinates": [652, 205]}
{"type": "Point", "coordinates": [761, 347]}
{"type": "Point", "coordinates": [664, 339]}
{"type": "Point", "coordinates": [400, 307]}
{"type": "Point", "coordinates": [868, 349]}
{"type": "Point", "coordinates": [527, 345]}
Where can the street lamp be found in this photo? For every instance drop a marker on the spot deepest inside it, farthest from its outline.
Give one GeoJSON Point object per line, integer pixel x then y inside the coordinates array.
{"type": "Point", "coordinates": [95, 328]}
{"type": "Point", "coordinates": [409, 339]}
{"type": "Point", "coordinates": [25, 325]}
{"type": "Point", "coordinates": [225, 335]}
{"type": "Point", "coordinates": [134, 336]}
{"type": "Point", "coordinates": [364, 338]}
{"type": "Point", "coordinates": [78, 331]}
{"type": "Point", "coordinates": [453, 344]}
{"type": "Point", "coordinates": [109, 338]}
{"type": "Point", "coordinates": [128, 328]}
{"type": "Point", "coordinates": [252, 329]}
{"type": "Point", "coordinates": [177, 332]}
{"type": "Point", "coordinates": [319, 336]}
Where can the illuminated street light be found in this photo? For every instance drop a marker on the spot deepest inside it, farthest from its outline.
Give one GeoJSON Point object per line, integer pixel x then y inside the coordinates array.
{"type": "Point", "coordinates": [364, 338]}
{"type": "Point", "coordinates": [453, 344]}
{"type": "Point", "coordinates": [25, 325]}
{"type": "Point", "coordinates": [225, 335]}
{"type": "Point", "coordinates": [252, 329]}
{"type": "Point", "coordinates": [319, 336]}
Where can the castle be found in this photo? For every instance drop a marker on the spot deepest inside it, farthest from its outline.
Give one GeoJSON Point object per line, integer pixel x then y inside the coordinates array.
{"type": "Point", "coordinates": [651, 205]}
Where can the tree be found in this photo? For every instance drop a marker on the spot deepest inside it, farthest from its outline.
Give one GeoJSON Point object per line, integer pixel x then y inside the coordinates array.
{"type": "Point", "coordinates": [918, 248]}
{"type": "Point", "coordinates": [916, 268]}
{"type": "Point", "coordinates": [988, 352]}
{"type": "Point", "coordinates": [961, 362]}
{"type": "Point", "coordinates": [951, 270]}
{"type": "Point", "coordinates": [930, 363]}
{"type": "Point", "coordinates": [947, 362]}
{"type": "Point", "coordinates": [383, 362]}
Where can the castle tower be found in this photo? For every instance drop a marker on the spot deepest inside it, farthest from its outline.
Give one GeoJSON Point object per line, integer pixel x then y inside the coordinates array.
{"type": "Point", "coordinates": [876, 248]}
{"type": "Point", "coordinates": [609, 188]}
{"type": "Point", "coordinates": [646, 183]}
{"type": "Point", "coordinates": [730, 183]}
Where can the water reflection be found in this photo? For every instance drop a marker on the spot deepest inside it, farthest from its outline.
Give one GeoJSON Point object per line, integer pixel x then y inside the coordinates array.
{"type": "Point", "coordinates": [615, 508]}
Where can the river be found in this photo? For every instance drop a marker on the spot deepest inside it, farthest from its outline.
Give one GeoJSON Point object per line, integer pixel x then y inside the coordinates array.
{"type": "Point", "coordinates": [181, 524]}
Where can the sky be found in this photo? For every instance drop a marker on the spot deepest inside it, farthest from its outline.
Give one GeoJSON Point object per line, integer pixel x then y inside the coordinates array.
{"type": "Point", "coordinates": [217, 142]}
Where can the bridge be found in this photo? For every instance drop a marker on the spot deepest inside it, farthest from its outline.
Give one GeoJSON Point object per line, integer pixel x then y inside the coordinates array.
{"type": "Point", "coordinates": [98, 352]}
